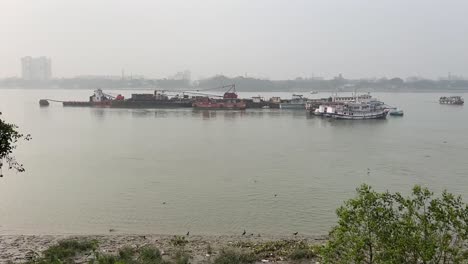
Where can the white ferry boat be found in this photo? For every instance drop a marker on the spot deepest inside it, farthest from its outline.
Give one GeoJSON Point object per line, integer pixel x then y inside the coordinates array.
{"type": "Point", "coordinates": [354, 109]}
{"type": "Point", "coordinates": [454, 100]}
{"type": "Point", "coordinates": [361, 110]}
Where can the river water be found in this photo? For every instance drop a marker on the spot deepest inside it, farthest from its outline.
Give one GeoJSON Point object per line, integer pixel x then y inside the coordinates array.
{"type": "Point", "coordinates": [171, 171]}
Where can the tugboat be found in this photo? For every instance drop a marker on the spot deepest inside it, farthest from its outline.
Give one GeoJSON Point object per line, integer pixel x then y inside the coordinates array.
{"type": "Point", "coordinates": [229, 101]}
{"type": "Point", "coordinates": [453, 100]}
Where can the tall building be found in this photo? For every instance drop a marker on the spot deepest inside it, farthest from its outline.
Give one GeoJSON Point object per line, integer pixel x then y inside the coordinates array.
{"type": "Point", "coordinates": [37, 69]}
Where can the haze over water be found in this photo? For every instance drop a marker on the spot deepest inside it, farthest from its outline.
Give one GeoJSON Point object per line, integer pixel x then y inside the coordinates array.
{"type": "Point", "coordinates": [89, 170]}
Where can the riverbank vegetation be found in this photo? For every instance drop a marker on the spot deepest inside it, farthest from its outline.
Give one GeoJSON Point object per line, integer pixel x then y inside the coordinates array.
{"type": "Point", "coordinates": [88, 251]}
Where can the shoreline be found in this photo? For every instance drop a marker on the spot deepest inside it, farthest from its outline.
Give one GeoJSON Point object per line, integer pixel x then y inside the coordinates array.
{"type": "Point", "coordinates": [20, 248]}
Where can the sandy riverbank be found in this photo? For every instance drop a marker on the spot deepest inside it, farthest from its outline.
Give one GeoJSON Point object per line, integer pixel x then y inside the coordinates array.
{"type": "Point", "coordinates": [19, 248]}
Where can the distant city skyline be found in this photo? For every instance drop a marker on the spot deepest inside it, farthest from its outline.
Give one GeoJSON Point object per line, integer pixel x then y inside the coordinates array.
{"type": "Point", "coordinates": [39, 68]}
{"type": "Point", "coordinates": [275, 39]}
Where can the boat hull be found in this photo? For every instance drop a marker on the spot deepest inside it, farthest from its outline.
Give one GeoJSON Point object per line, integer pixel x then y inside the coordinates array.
{"type": "Point", "coordinates": [152, 104]}
{"type": "Point", "coordinates": [251, 104]}
{"type": "Point", "coordinates": [219, 105]}
{"type": "Point", "coordinates": [452, 103]}
{"type": "Point", "coordinates": [379, 115]}
{"type": "Point", "coordinates": [292, 106]}
{"type": "Point", "coordinates": [86, 104]}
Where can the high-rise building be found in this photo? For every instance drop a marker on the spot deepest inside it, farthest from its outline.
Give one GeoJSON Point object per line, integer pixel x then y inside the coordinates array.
{"type": "Point", "coordinates": [36, 68]}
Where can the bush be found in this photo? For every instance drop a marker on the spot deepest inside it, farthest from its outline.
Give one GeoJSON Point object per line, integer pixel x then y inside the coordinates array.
{"type": "Point", "coordinates": [181, 257]}
{"type": "Point", "coordinates": [302, 253]}
{"type": "Point", "coordinates": [65, 250]}
{"type": "Point", "coordinates": [106, 259]}
{"type": "Point", "coordinates": [179, 241]}
{"type": "Point", "coordinates": [127, 254]}
{"type": "Point", "coordinates": [149, 254]}
{"type": "Point", "coordinates": [390, 228]}
{"type": "Point", "coordinates": [277, 250]}
{"type": "Point", "coordinates": [230, 256]}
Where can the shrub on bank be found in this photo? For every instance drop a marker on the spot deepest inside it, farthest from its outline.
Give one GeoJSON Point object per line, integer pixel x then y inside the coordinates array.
{"type": "Point", "coordinates": [64, 251]}
{"type": "Point", "coordinates": [231, 256]}
{"type": "Point", "coordinates": [390, 228]}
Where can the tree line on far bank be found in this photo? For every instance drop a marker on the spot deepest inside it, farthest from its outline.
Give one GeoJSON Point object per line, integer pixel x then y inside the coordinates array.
{"type": "Point", "coordinates": [243, 83]}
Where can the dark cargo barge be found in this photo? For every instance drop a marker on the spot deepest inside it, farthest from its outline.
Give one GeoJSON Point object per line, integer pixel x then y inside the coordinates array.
{"type": "Point", "coordinates": [156, 100]}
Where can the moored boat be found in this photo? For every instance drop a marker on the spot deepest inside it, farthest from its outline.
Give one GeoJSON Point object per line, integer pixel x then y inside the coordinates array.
{"type": "Point", "coordinates": [256, 102]}
{"type": "Point", "coordinates": [453, 100]}
{"type": "Point", "coordinates": [353, 110]}
{"type": "Point", "coordinates": [159, 99]}
{"type": "Point", "coordinates": [297, 102]}
{"type": "Point", "coordinates": [43, 102]}
{"type": "Point", "coordinates": [361, 111]}
{"type": "Point", "coordinates": [396, 112]}
{"type": "Point", "coordinates": [229, 101]}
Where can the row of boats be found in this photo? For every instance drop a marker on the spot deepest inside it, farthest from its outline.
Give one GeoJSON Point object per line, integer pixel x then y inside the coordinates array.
{"type": "Point", "coordinates": [355, 107]}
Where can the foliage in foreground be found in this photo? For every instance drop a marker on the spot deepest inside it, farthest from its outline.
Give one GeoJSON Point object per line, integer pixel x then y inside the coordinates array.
{"type": "Point", "coordinates": [231, 256]}
{"type": "Point", "coordinates": [68, 251]}
{"type": "Point", "coordinates": [390, 228]}
{"type": "Point", "coordinates": [9, 136]}
{"type": "Point", "coordinates": [279, 249]}
{"type": "Point", "coordinates": [64, 251]}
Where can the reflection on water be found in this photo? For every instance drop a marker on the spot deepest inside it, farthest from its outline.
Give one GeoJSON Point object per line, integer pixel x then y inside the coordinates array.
{"type": "Point", "coordinates": [196, 113]}
{"type": "Point", "coordinates": [91, 169]}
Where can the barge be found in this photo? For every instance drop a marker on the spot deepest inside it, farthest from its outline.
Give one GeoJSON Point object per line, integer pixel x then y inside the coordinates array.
{"type": "Point", "coordinates": [158, 99]}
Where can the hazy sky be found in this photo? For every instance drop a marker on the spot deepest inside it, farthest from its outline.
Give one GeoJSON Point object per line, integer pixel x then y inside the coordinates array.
{"type": "Point", "coordinates": [261, 38]}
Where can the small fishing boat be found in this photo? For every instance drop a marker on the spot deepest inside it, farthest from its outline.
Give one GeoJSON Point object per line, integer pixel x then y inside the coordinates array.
{"type": "Point", "coordinates": [396, 112]}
